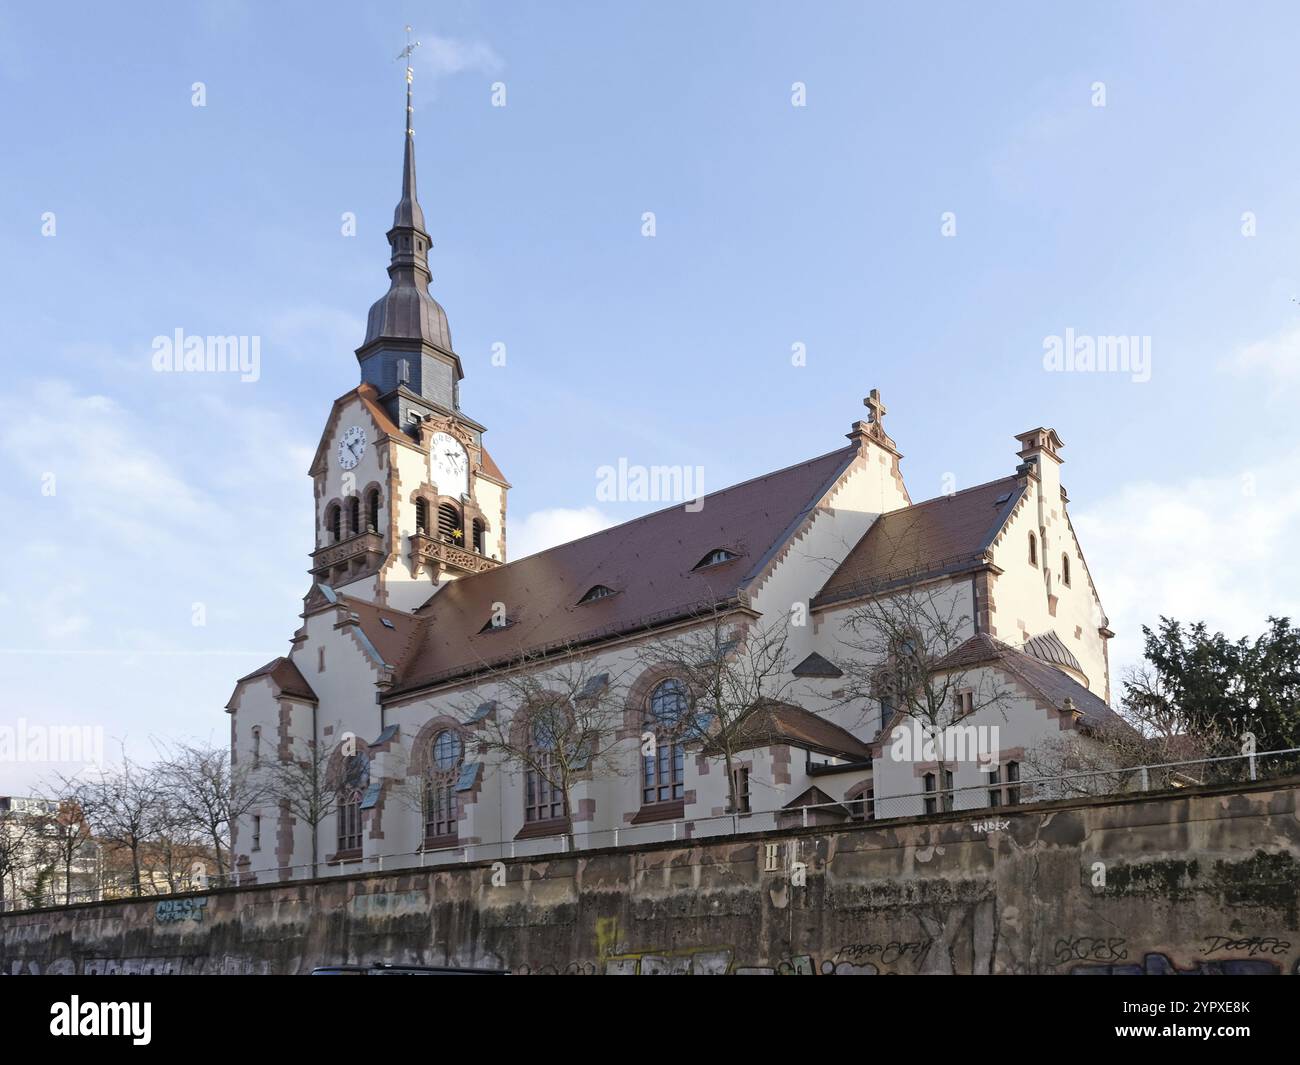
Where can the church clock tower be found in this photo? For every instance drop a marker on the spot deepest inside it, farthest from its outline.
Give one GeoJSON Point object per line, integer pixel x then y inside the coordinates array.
{"type": "Point", "coordinates": [406, 496]}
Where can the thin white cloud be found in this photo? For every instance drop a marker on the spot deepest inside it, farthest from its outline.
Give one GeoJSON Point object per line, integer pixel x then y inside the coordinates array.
{"type": "Point", "coordinates": [1219, 550]}
{"type": "Point", "coordinates": [1277, 356]}
{"type": "Point", "coordinates": [444, 56]}
{"type": "Point", "coordinates": [557, 525]}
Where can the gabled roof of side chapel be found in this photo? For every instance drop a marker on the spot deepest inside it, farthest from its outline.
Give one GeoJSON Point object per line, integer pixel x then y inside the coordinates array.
{"type": "Point", "coordinates": [946, 534]}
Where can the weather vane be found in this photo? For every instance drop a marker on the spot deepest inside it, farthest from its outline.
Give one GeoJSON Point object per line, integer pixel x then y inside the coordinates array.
{"type": "Point", "coordinates": [405, 53]}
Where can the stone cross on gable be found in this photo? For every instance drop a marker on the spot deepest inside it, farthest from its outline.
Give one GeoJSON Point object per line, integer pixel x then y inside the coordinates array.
{"type": "Point", "coordinates": [876, 407]}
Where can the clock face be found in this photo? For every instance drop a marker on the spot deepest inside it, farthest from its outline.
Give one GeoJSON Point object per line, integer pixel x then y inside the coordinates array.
{"type": "Point", "coordinates": [449, 464]}
{"type": "Point", "coordinates": [352, 446]}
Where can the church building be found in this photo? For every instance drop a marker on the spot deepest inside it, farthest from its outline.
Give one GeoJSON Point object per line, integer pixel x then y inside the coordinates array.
{"type": "Point", "coordinates": [399, 692]}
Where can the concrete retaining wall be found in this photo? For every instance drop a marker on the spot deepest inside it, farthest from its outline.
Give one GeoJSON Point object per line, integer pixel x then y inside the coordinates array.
{"type": "Point", "coordinates": [1205, 880]}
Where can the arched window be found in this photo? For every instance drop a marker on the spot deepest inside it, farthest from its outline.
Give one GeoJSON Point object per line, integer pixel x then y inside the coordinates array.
{"type": "Point", "coordinates": [543, 797]}
{"type": "Point", "coordinates": [355, 774]}
{"type": "Point", "coordinates": [354, 515]}
{"type": "Point", "coordinates": [440, 775]}
{"type": "Point", "coordinates": [1033, 550]}
{"type": "Point", "coordinates": [449, 524]}
{"type": "Point", "coordinates": [478, 535]}
{"type": "Point", "coordinates": [334, 521]}
{"type": "Point", "coordinates": [1065, 570]}
{"type": "Point", "coordinates": [349, 820]}
{"type": "Point", "coordinates": [663, 770]}
{"type": "Point", "coordinates": [372, 510]}
{"type": "Point", "coordinates": [421, 516]}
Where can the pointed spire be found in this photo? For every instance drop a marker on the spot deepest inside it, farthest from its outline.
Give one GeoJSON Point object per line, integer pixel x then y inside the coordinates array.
{"type": "Point", "coordinates": [408, 214]}
{"type": "Point", "coordinates": [408, 312]}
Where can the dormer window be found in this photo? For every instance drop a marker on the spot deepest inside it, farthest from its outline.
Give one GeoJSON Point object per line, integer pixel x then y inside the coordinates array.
{"type": "Point", "coordinates": [599, 591]}
{"type": "Point", "coordinates": [716, 557]}
{"type": "Point", "coordinates": [496, 624]}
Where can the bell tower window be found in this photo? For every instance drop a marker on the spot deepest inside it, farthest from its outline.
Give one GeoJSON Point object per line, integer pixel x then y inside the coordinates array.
{"type": "Point", "coordinates": [478, 535]}
{"type": "Point", "coordinates": [354, 515]}
{"type": "Point", "coordinates": [334, 522]}
{"type": "Point", "coordinates": [449, 528]}
{"type": "Point", "coordinates": [421, 516]}
{"type": "Point", "coordinates": [372, 510]}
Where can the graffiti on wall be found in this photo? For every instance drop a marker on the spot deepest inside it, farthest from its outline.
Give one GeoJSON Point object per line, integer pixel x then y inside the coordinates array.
{"type": "Point", "coordinates": [1109, 956]}
{"type": "Point", "coordinates": [1161, 965]}
{"type": "Point", "coordinates": [170, 910]}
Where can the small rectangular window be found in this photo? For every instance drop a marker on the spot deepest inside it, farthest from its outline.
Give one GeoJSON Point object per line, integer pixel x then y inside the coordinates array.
{"type": "Point", "coordinates": [257, 832]}
{"type": "Point", "coordinates": [741, 777]}
{"type": "Point", "coordinates": [1003, 785]}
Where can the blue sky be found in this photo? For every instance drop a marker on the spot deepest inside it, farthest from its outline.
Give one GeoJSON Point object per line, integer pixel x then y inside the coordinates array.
{"type": "Point", "coordinates": [775, 225]}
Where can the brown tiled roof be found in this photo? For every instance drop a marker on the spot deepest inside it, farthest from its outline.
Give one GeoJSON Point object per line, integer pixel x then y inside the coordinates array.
{"type": "Point", "coordinates": [284, 675]}
{"type": "Point", "coordinates": [648, 562]}
{"type": "Point", "coordinates": [393, 641]}
{"type": "Point", "coordinates": [784, 723]}
{"type": "Point", "coordinates": [814, 796]}
{"type": "Point", "coordinates": [369, 397]}
{"type": "Point", "coordinates": [491, 468]}
{"type": "Point", "coordinates": [1047, 680]}
{"type": "Point", "coordinates": [941, 535]}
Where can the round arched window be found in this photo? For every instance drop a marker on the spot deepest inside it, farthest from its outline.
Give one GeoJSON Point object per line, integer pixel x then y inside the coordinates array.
{"type": "Point", "coordinates": [441, 808]}
{"type": "Point", "coordinates": [663, 769]}
{"type": "Point", "coordinates": [446, 751]}
{"type": "Point", "coordinates": [668, 703]}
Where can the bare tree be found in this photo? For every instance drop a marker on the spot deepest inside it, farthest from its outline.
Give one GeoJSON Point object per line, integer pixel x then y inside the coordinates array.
{"type": "Point", "coordinates": [735, 668]}
{"type": "Point", "coordinates": [124, 804]}
{"type": "Point", "coordinates": [16, 832]}
{"type": "Point", "coordinates": [1150, 732]}
{"type": "Point", "coordinates": [206, 796]}
{"type": "Point", "coordinates": [306, 783]}
{"type": "Point", "coordinates": [904, 652]}
{"type": "Point", "coordinates": [67, 833]}
{"type": "Point", "coordinates": [558, 722]}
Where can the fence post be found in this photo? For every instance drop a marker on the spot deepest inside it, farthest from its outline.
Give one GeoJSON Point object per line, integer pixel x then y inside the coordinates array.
{"type": "Point", "coordinates": [1252, 765]}
{"type": "Point", "coordinates": [1145, 780]}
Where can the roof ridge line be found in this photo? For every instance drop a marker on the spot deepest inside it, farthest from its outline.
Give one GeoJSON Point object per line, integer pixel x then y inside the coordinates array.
{"type": "Point", "coordinates": [953, 495]}
{"type": "Point", "coordinates": [654, 513]}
